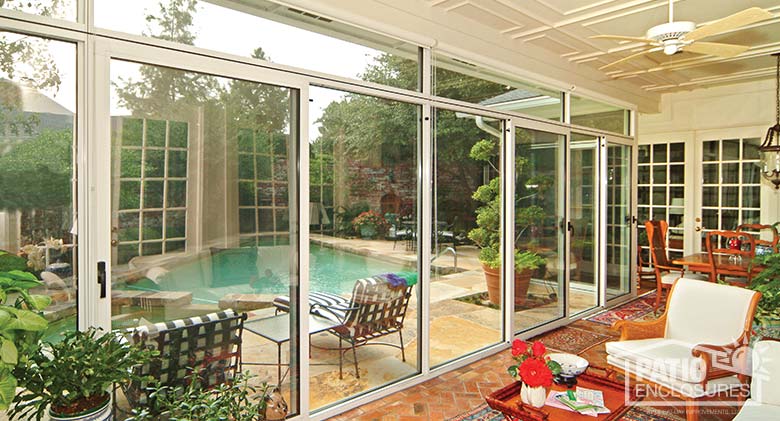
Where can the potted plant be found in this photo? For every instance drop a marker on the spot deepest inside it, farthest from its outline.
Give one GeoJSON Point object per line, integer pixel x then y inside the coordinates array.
{"type": "Point", "coordinates": [487, 235]}
{"type": "Point", "coordinates": [369, 224]}
{"type": "Point", "coordinates": [767, 282]}
{"type": "Point", "coordinates": [235, 401]}
{"type": "Point", "coordinates": [21, 323]}
{"type": "Point", "coordinates": [72, 378]}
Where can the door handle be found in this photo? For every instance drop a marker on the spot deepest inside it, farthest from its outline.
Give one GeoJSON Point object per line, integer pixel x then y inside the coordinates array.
{"type": "Point", "coordinates": [697, 229]}
{"type": "Point", "coordinates": [101, 278]}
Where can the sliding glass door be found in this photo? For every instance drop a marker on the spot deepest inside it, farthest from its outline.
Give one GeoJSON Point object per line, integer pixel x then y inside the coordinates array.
{"type": "Point", "coordinates": [583, 224]}
{"type": "Point", "coordinates": [618, 238]}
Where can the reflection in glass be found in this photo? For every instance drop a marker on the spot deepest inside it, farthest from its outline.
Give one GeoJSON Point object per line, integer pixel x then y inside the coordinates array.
{"type": "Point", "coordinates": [363, 163]}
{"type": "Point", "coordinates": [644, 154]}
{"type": "Point", "coordinates": [676, 174]}
{"type": "Point", "coordinates": [598, 115]}
{"type": "Point", "coordinates": [37, 172]}
{"type": "Point", "coordinates": [659, 153]}
{"type": "Point", "coordinates": [659, 174]}
{"type": "Point", "coordinates": [456, 79]}
{"type": "Point", "coordinates": [538, 228]}
{"type": "Point", "coordinates": [265, 30]}
{"type": "Point", "coordinates": [709, 196]}
{"type": "Point", "coordinates": [729, 197]}
{"type": "Point", "coordinates": [711, 152]}
{"type": "Point", "coordinates": [730, 173]}
{"type": "Point", "coordinates": [458, 175]}
{"type": "Point", "coordinates": [644, 174]}
{"type": "Point", "coordinates": [190, 238]}
{"type": "Point", "coordinates": [57, 9]}
{"type": "Point", "coordinates": [730, 150]}
{"type": "Point", "coordinates": [583, 172]}
{"type": "Point", "coordinates": [710, 174]}
{"type": "Point", "coordinates": [619, 226]}
{"type": "Point", "coordinates": [677, 152]}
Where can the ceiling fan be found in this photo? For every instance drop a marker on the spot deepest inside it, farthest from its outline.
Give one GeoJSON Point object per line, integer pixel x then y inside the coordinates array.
{"type": "Point", "coordinates": [673, 37]}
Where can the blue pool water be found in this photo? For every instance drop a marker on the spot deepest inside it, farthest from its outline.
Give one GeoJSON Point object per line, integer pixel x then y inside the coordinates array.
{"type": "Point", "coordinates": [331, 270]}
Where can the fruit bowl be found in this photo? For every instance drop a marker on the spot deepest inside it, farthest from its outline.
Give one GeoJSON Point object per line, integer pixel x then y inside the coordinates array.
{"type": "Point", "coordinates": [571, 367]}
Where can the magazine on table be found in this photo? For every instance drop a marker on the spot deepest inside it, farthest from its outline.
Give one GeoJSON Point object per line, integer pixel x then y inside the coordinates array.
{"type": "Point", "coordinates": [584, 401]}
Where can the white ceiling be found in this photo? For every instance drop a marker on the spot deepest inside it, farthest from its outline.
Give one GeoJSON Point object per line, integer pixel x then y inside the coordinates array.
{"type": "Point", "coordinates": [563, 28]}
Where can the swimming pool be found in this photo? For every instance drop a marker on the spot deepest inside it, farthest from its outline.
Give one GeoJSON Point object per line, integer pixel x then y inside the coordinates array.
{"type": "Point", "coordinates": [331, 270]}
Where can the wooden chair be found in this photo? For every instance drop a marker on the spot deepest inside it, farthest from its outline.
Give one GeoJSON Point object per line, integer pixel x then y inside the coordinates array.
{"type": "Point", "coordinates": [208, 346]}
{"type": "Point", "coordinates": [665, 272]}
{"type": "Point", "coordinates": [643, 270]}
{"type": "Point", "coordinates": [732, 265]}
{"type": "Point", "coordinates": [757, 229]}
{"type": "Point", "coordinates": [699, 346]}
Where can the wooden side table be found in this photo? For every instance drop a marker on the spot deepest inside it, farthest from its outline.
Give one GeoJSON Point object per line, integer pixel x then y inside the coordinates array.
{"type": "Point", "coordinates": [507, 401]}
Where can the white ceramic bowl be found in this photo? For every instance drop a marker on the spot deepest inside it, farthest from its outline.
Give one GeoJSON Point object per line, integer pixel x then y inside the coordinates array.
{"type": "Point", "coordinates": [571, 365]}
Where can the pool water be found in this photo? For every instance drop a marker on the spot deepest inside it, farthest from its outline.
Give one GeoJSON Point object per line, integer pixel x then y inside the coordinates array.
{"type": "Point", "coordinates": [331, 270]}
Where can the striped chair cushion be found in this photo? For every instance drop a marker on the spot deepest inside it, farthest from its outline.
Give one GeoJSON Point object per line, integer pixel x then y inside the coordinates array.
{"type": "Point", "coordinates": [336, 305]}
{"type": "Point", "coordinates": [209, 345]}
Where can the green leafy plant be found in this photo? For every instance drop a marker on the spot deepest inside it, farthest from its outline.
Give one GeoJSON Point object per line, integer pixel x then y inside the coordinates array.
{"type": "Point", "coordinates": [344, 217]}
{"type": "Point", "coordinates": [767, 282]}
{"type": "Point", "coordinates": [228, 401]}
{"type": "Point", "coordinates": [370, 218]}
{"type": "Point", "coordinates": [21, 324]}
{"type": "Point", "coordinates": [487, 235]}
{"type": "Point", "coordinates": [74, 375]}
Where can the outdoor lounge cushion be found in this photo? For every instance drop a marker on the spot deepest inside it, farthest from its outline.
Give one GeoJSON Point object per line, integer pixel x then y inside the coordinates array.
{"type": "Point", "coordinates": [317, 300]}
{"type": "Point", "coordinates": [764, 402]}
{"type": "Point", "coordinates": [671, 358]}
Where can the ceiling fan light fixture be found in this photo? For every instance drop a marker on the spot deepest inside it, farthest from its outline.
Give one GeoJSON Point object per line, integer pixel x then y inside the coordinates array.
{"type": "Point", "coordinates": [770, 149]}
{"type": "Point", "coordinates": [671, 49]}
{"type": "Point", "coordinates": [670, 30]}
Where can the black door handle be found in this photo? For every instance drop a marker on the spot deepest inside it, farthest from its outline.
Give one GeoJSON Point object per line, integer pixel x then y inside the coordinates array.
{"type": "Point", "coordinates": [101, 278]}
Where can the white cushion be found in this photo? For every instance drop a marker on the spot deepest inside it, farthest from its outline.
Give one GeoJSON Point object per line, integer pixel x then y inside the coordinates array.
{"type": "Point", "coordinates": [671, 358]}
{"type": "Point", "coordinates": [707, 313]}
{"type": "Point", "coordinates": [765, 384]}
{"type": "Point", "coordinates": [692, 390]}
{"type": "Point", "coordinates": [698, 276]}
{"type": "Point", "coordinates": [754, 411]}
{"type": "Point", "coordinates": [670, 278]}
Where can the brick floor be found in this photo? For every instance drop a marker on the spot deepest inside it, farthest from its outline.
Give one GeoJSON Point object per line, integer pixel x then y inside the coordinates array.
{"type": "Point", "coordinates": [465, 388]}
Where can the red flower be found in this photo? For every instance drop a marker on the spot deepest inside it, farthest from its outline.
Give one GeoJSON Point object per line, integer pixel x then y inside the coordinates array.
{"type": "Point", "coordinates": [518, 347]}
{"type": "Point", "coordinates": [535, 373]}
{"type": "Point", "coordinates": [538, 349]}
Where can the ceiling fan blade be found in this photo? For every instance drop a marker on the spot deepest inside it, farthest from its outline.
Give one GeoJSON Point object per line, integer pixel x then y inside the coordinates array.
{"type": "Point", "coordinates": [716, 49]}
{"type": "Point", "coordinates": [635, 55]}
{"type": "Point", "coordinates": [622, 38]}
{"type": "Point", "coordinates": [737, 20]}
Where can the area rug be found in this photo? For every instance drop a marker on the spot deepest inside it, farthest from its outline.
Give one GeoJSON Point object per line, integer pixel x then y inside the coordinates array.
{"type": "Point", "coordinates": [632, 310]}
{"type": "Point", "coordinates": [480, 413]}
{"type": "Point", "coordinates": [485, 413]}
{"type": "Point", "coordinates": [571, 339]}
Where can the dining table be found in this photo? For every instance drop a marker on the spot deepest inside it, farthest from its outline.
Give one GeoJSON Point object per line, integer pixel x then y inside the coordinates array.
{"type": "Point", "coordinates": [700, 262]}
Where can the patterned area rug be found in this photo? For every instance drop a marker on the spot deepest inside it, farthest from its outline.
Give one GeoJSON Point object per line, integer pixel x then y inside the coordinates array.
{"type": "Point", "coordinates": [571, 339]}
{"type": "Point", "coordinates": [480, 413]}
{"type": "Point", "coordinates": [485, 413]}
{"type": "Point", "coordinates": [633, 310]}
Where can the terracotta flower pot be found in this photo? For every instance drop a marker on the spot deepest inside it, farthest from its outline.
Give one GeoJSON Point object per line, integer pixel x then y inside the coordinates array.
{"type": "Point", "coordinates": [493, 280]}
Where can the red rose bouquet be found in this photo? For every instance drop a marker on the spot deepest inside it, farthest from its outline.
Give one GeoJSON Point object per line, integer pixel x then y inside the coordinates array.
{"type": "Point", "coordinates": [532, 367]}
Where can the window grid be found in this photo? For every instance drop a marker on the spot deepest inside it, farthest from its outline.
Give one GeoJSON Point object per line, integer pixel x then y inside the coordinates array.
{"type": "Point", "coordinates": [730, 184]}
{"type": "Point", "coordinates": [267, 191]}
{"type": "Point", "coordinates": [321, 186]}
{"type": "Point", "coordinates": [142, 242]}
{"type": "Point", "coordinates": [661, 194]}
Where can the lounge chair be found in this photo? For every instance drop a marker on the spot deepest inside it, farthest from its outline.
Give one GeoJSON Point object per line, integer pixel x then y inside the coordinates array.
{"type": "Point", "coordinates": [210, 344]}
{"type": "Point", "coordinates": [377, 308]}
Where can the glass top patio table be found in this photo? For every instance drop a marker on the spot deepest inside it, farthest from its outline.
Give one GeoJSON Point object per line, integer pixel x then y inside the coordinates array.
{"type": "Point", "coordinates": [700, 262]}
{"type": "Point", "coordinates": [277, 330]}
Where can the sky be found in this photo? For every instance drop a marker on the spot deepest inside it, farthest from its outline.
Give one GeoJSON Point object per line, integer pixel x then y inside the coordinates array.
{"type": "Point", "coordinates": [282, 44]}
{"type": "Point", "coordinates": [225, 30]}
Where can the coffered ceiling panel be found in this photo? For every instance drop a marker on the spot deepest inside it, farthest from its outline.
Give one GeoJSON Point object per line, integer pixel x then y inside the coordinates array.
{"type": "Point", "coordinates": [564, 28]}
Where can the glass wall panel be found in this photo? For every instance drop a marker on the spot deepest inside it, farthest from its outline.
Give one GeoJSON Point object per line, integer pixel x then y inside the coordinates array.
{"type": "Point", "coordinates": [583, 202]}
{"type": "Point", "coordinates": [464, 297]}
{"type": "Point", "coordinates": [363, 219]}
{"type": "Point", "coordinates": [37, 171]}
{"type": "Point", "coordinates": [539, 227]}
{"type": "Point", "coordinates": [618, 208]}
{"type": "Point", "coordinates": [58, 9]}
{"type": "Point", "coordinates": [202, 170]}
{"type": "Point", "coordinates": [457, 79]}
{"type": "Point", "coordinates": [268, 31]}
{"type": "Point", "coordinates": [598, 115]}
